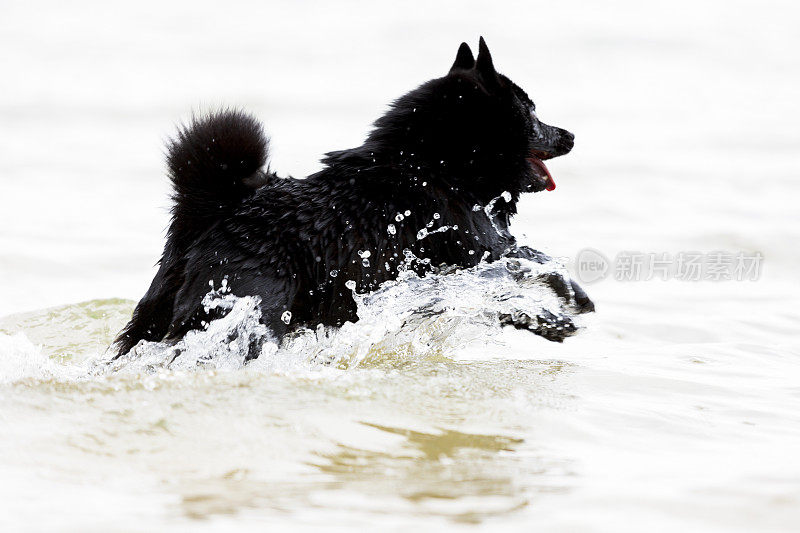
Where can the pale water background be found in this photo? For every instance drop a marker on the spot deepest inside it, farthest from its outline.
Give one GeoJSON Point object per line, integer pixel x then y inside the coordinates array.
{"type": "Point", "coordinates": [677, 408]}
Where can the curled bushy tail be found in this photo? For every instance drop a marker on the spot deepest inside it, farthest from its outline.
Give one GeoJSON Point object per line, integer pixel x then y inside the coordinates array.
{"type": "Point", "coordinates": [214, 163]}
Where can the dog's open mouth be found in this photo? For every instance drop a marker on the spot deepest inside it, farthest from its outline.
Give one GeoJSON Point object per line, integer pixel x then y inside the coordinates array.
{"type": "Point", "coordinates": [542, 177]}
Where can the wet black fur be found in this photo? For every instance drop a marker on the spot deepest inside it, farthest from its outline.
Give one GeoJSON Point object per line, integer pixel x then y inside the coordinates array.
{"type": "Point", "coordinates": [454, 143]}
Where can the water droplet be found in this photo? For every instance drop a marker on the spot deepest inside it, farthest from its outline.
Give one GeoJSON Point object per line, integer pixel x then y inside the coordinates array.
{"type": "Point", "coordinates": [350, 284]}
{"type": "Point", "coordinates": [399, 217]}
{"type": "Point", "coordinates": [364, 254]}
{"type": "Point", "coordinates": [436, 216]}
{"type": "Point", "coordinates": [365, 262]}
{"type": "Point", "coordinates": [391, 230]}
{"type": "Point", "coordinates": [286, 317]}
{"type": "Point", "coordinates": [334, 273]}
{"type": "Point", "coordinates": [408, 212]}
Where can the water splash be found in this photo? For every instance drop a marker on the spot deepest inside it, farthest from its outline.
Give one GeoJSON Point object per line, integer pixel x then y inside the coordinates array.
{"type": "Point", "coordinates": [226, 343]}
{"type": "Point", "coordinates": [413, 318]}
{"type": "Point", "coordinates": [492, 215]}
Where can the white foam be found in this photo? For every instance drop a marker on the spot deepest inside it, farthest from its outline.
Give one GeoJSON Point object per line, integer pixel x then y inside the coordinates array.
{"type": "Point", "coordinates": [413, 317]}
{"type": "Point", "coordinates": [20, 359]}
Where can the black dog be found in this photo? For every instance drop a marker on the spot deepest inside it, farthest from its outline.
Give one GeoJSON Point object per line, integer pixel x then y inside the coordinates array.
{"type": "Point", "coordinates": [413, 196]}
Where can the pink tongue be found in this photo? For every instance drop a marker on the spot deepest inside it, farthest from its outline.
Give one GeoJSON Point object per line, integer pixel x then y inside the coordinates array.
{"type": "Point", "coordinates": [549, 184]}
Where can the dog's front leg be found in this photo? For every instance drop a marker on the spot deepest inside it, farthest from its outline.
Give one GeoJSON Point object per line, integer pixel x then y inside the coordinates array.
{"type": "Point", "coordinates": [526, 252]}
{"type": "Point", "coordinates": [566, 288]}
{"type": "Point", "coordinates": [546, 324]}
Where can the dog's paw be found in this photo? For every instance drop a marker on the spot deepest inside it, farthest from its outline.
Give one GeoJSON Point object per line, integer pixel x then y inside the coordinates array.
{"type": "Point", "coordinates": [568, 290]}
{"type": "Point", "coordinates": [583, 303]}
{"type": "Point", "coordinates": [552, 327]}
{"type": "Point", "coordinates": [526, 252]}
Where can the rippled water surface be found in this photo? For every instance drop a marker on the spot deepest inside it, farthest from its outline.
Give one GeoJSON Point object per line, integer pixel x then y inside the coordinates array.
{"type": "Point", "coordinates": [676, 406]}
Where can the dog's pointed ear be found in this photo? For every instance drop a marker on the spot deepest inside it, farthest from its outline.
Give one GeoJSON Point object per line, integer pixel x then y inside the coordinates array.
{"type": "Point", "coordinates": [464, 59]}
{"type": "Point", "coordinates": [484, 65]}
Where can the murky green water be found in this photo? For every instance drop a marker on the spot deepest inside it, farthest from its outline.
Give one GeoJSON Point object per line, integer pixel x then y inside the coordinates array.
{"type": "Point", "coordinates": [480, 435]}
{"type": "Point", "coordinates": [428, 437]}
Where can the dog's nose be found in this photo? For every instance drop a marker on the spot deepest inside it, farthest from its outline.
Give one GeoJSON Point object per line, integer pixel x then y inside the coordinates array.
{"type": "Point", "coordinates": [566, 141]}
{"type": "Point", "coordinates": [569, 138]}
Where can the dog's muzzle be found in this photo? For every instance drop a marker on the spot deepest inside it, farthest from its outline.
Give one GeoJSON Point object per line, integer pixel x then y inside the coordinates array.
{"type": "Point", "coordinates": [551, 142]}
{"type": "Point", "coordinates": [548, 142]}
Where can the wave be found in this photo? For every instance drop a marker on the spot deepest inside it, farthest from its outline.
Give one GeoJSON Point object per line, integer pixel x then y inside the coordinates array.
{"type": "Point", "coordinates": [437, 316]}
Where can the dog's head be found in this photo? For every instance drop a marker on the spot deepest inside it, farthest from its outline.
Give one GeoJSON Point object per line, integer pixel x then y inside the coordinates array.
{"type": "Point", "coordinates": [474, 128]}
